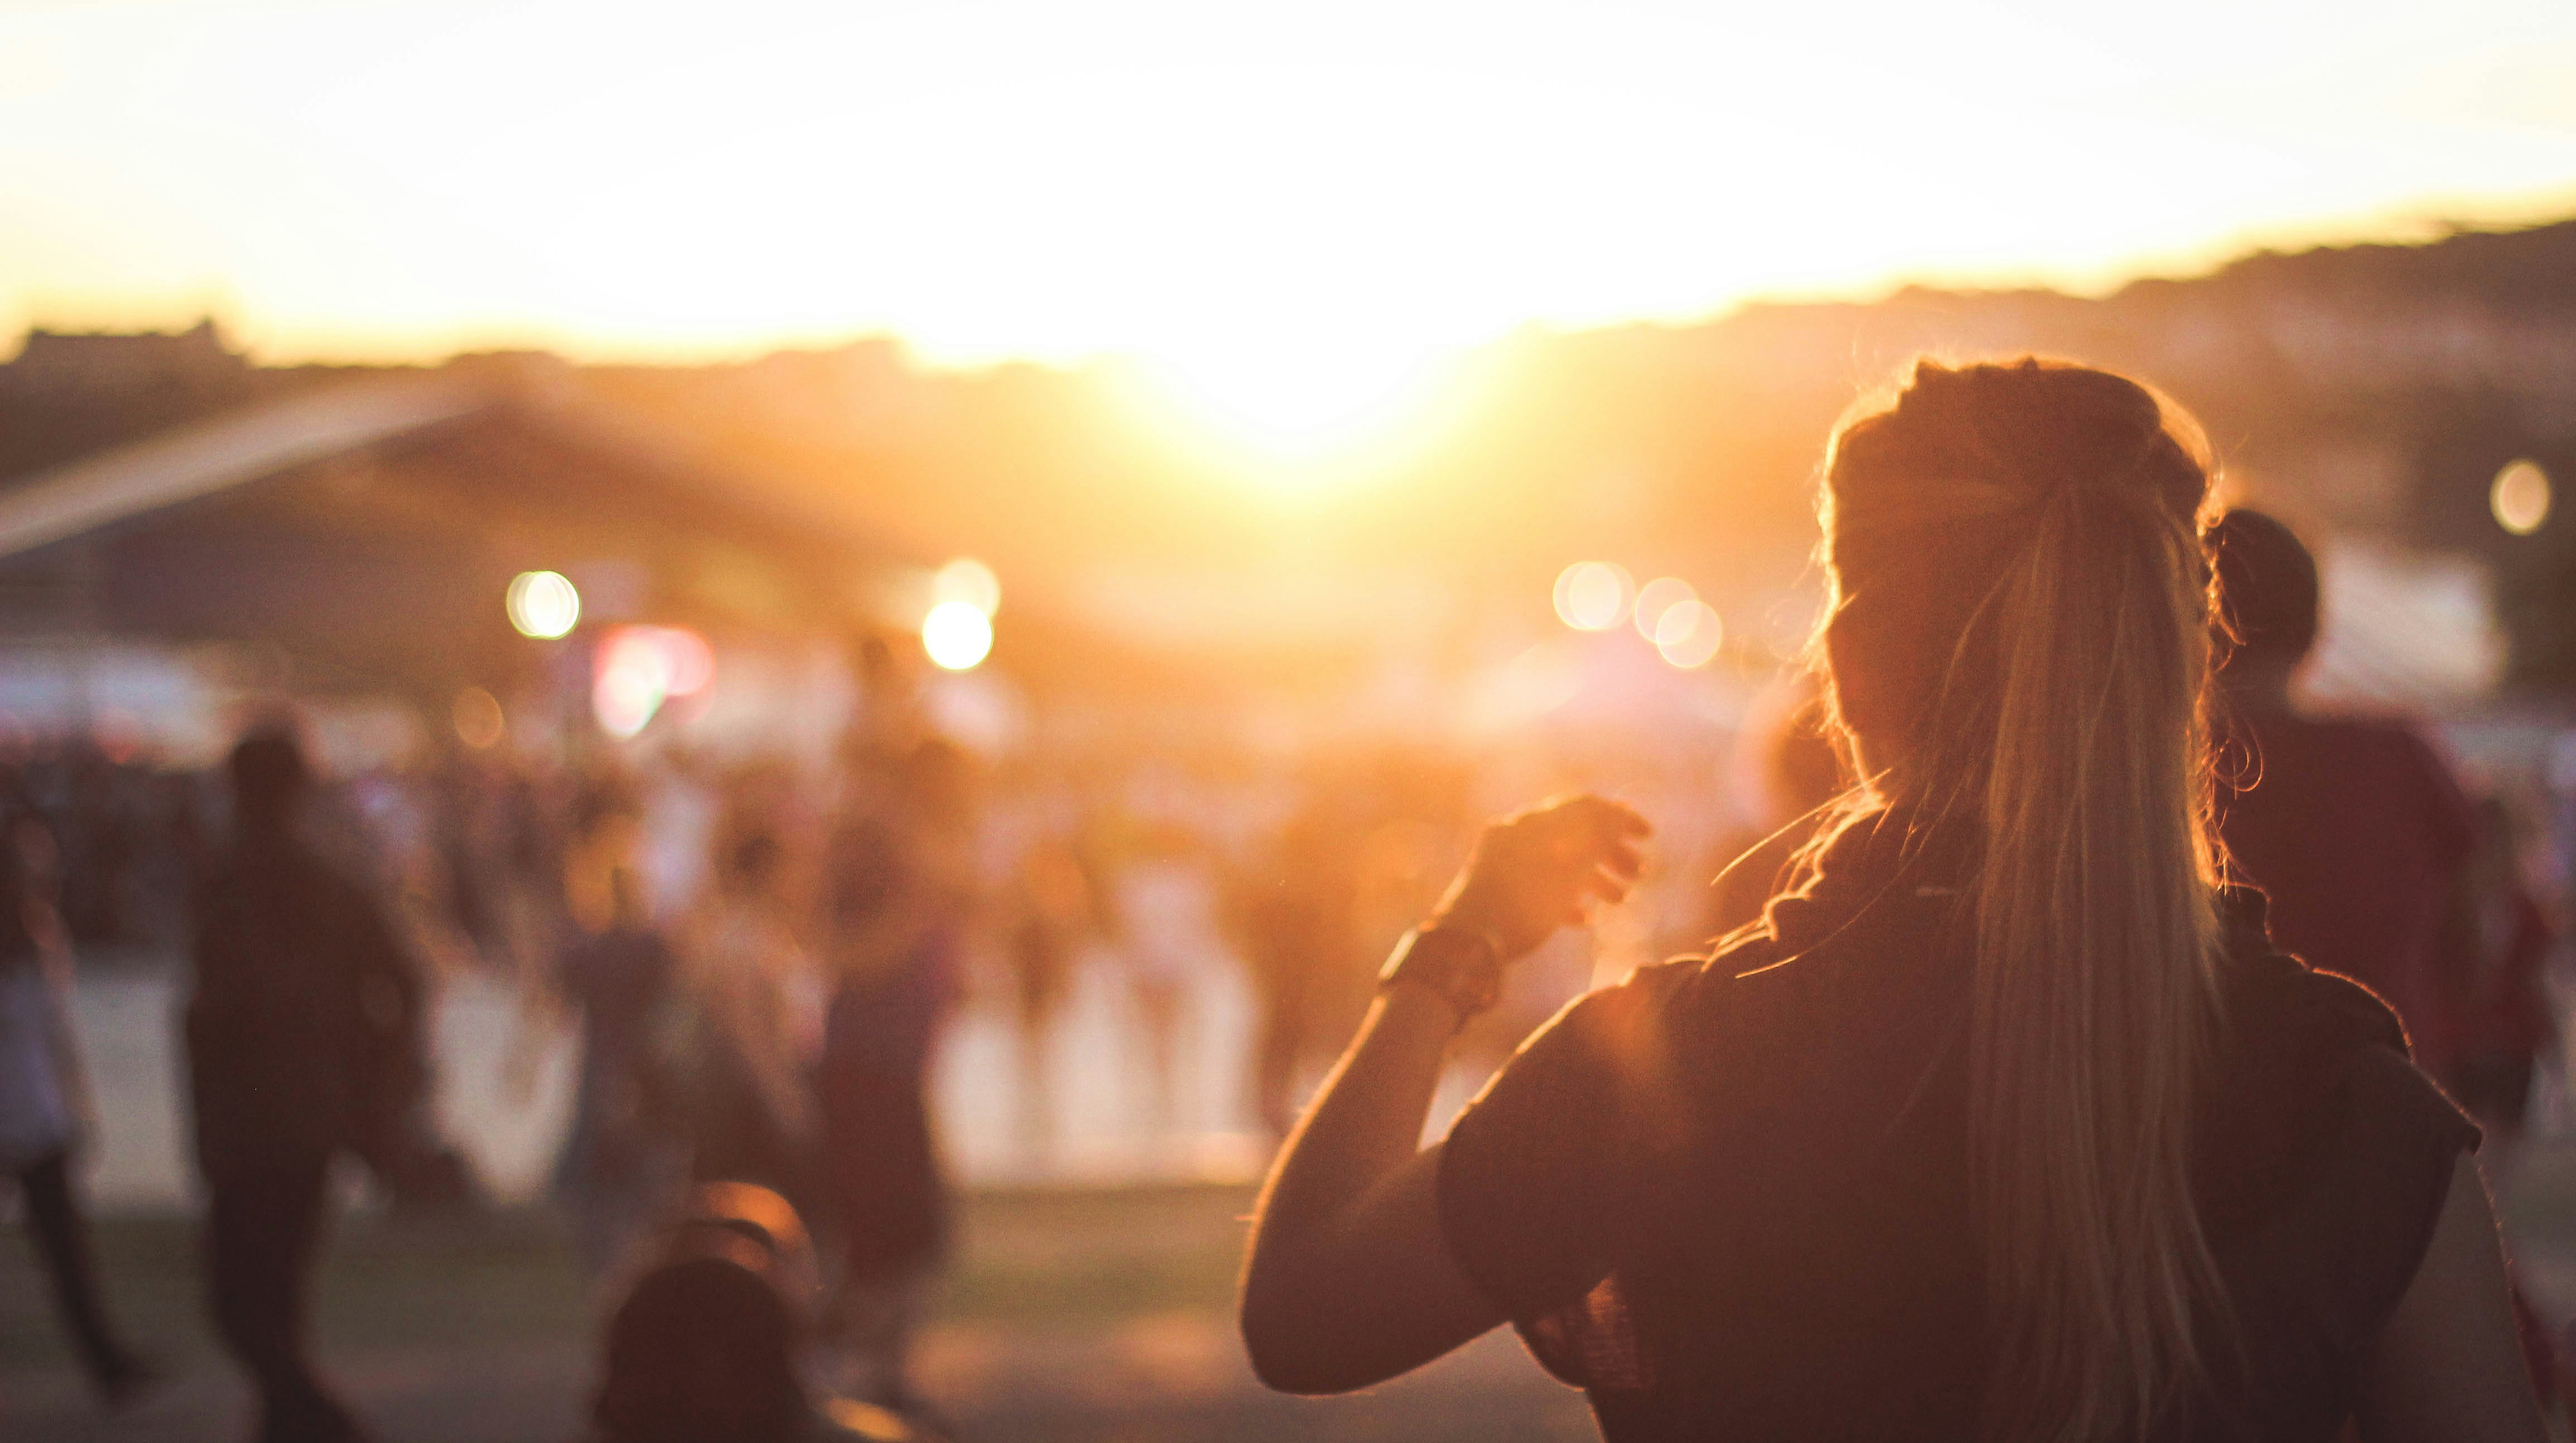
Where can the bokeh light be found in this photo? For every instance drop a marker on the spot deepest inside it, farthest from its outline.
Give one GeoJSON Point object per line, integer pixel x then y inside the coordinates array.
{"type": "Point", "coordinates": [2521, 497]}
{"type": "Point", "coordinates": [625, 688]}
{"type": "Point", "coordinates": [638, 668]}
{"type": "Point", "coordinates": [543, 604]}
{"type": "Point", "coordinates": [1657, 597]}
{"type": "Point", "coordinates": [970, 581]}
{"type": "Point", "coordinates": [956, 635]}
{"type": "Point", "coordinates": [1690, 634]}
{"type": "Point", "coordinates": [476, 715]}
{"type": "Point", "coordinates": [1593, 595]}
{"type": "Point", "coordinates": [690, 662]}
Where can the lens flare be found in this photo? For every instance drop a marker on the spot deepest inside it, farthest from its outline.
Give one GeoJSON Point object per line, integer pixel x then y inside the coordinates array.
{"type": "Point", "coordinates": [1657, 597]}
{"type": "Point", "coordinates": [690, 662]}
{"type": "Point", "coordinates": [2521, 497]}
{"type": "Point", "coordinates": [970, 581]}
{"type": "Point", "coordinates": [476, 715]}
{"type": "Point", "coordinates": [624, 693]}
{"type": "Point", "coordinates": [638, 668]}
{"type": "Point", "coordinates": [1689, 634]}
{"type": "Point", "coordinates": [543, 604]}
{"type": "Point", "coordinates": [957, 636]}
{"type": "Point", "coordinates": [1593, 595]}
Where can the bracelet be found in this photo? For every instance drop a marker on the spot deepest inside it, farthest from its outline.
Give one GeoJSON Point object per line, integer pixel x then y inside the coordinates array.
{"type": "Point", "coordinates": [1463, 966]}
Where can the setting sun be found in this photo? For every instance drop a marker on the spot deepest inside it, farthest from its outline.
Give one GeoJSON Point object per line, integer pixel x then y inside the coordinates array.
{"type": "Point", "coordinates": [1296, 414]}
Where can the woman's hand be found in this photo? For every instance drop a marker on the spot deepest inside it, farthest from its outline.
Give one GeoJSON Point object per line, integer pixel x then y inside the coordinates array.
{"type": "Point", "coordinates": [1538, 870]}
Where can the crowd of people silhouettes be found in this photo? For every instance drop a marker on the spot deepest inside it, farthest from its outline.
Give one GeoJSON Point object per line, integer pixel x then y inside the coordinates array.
{"type": "Point", "coordinates": [2097, 1045]}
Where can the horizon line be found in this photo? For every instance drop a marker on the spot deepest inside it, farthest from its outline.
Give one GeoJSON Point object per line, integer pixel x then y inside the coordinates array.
{"type": "Point", "coordinates": [2420, 224]}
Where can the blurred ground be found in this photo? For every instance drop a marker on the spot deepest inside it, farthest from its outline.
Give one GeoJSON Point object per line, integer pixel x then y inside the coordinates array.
{"type": "Point", "coordinates": [1074, 1316]}
{"type": "Point", "coordinates": [507, 1103]}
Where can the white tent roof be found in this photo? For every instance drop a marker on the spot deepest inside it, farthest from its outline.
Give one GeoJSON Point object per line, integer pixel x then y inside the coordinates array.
{"type": "Point", "coordinates": [210, 456]}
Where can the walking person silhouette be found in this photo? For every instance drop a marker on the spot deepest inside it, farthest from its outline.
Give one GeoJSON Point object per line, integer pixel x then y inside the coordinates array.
{"type": "Point", "coordinates": [43, 1097]}
{"type": "Point", "coordinates": [304, 1044]}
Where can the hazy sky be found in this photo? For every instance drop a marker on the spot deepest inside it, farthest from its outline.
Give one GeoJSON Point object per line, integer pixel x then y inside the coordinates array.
{"type": "Point", "coordinates": [1247, 192]}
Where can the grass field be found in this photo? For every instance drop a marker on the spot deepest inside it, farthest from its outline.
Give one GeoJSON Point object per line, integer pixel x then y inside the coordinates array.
{"type": "Point", "coordinates": [1072, 1316]}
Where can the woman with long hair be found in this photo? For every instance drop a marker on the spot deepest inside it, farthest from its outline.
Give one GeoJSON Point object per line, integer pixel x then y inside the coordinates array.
{"type": "Point", "coordinates": [2007, 1122]}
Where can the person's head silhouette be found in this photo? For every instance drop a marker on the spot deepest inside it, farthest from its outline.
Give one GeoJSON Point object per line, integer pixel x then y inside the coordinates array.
{"type": "Point", "coordinates": [750, 865]}
{"type": "Point", "coordinates": [703, 1349]}
{"type": "Point", "coordinates": [269, 779]}
{"type": "Point", "coordinates": [2267, 599]}
{"type": "Point", "coordinates": [2018, 645]}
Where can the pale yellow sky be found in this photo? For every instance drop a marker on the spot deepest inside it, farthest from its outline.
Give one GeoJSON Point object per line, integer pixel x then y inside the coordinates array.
{"type": "Point", "coordinates": [1254, 197]}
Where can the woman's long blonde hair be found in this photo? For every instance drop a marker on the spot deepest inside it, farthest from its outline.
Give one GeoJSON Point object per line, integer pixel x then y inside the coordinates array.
{"type": "Point", "coordinates": [2019, 639]}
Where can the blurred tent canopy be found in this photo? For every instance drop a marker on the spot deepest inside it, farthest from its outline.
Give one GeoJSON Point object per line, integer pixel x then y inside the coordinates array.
{"type": "Point", "coordinates": [368, 523]}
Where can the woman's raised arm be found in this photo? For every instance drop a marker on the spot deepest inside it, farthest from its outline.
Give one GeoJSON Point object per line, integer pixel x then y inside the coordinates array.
{"type": "Point", "coordinates": [1349, 1281]}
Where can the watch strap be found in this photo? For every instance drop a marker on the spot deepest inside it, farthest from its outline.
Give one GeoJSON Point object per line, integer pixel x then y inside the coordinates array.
{"type": "Point", "coordinates": [1460, 964]}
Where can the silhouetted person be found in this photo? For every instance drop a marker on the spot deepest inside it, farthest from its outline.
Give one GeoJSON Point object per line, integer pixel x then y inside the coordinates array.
{"type": "Point", "coordinates": [899, 888]}
{"type": "Point", "coordinates": [1294, 916]}
{"type": "Point", "coordinates": [1051, 916]}
{"type": "Point", "coordinates": [628, 1152]}
{"type": "Point", "coordinates": [1165, 902]}
{"type": "Point", "coordinates": [41, 1092]}
{"type": "Point", "coordinates": [2352, 826]}
{"type": "Point", "coordinates": [2504, 1013]}
{"type": "Point", "coordinates": [704, 1348]}
{"type": "Point", "coordinates": [304, 1044]}
{"type": "Point", "coordinates": [2011, 1125]}
{"type": "Point", "coordinates": [2369, 851]}
{"type": "Point", "coordinates": [760, 1021]}
{"type": "Point", "coordinates": [97, 843]}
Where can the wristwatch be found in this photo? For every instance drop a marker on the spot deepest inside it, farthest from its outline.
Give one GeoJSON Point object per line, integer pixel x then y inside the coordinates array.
{"type": "Point", "coordinates": [1461, 964]}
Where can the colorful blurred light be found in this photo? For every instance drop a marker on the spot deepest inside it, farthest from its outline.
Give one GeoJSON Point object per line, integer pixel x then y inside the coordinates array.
{"type": "Point", "coordinates": [957, 635]}
{"type": "Point", "coordinates": [637, 668]}
{"type": "Point", "coordinates": [543, 604]}
{"type": "Point", "coordinates": [2521, 497]}
{"type": "Point", "coordinates": [970, 581]}
{"type": "Point", "coordinates": [1657, 597]}
{"type": "Point", "coordinates": [476, 715]}
{"type": "Point", "coordinates": [1593, 595]}
{"type": "Point", "coordinates": [1690, 633]}
{"type": "Point", "coordinates": [691, 661]}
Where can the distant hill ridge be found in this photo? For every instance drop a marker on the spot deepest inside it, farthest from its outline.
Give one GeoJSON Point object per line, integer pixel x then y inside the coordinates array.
{"type": "Point", "coordinates": [2368, 387]}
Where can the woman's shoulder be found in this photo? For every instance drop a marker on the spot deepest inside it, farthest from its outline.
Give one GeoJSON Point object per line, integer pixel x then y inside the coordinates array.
{"type": "Point", "coordinates": [1615, 1017]}
{"type": "Point", "coordinates": [1735, 971]}
{"type": "Point", "coordinates": [1615, 1042]}
{"type": "Point", "coordinates": [2309, 1059]}
{"type": "Point", "coordinates": [1661, 1029]}
{"type": "Point", "coordinates": [2318, 1129]}
{"type": "Point", "coordinates": [2280, 1014]}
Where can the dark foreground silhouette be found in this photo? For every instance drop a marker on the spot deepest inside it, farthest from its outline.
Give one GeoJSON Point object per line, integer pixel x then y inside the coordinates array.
{"type": "Point", "coordinates": [2009, 1122]}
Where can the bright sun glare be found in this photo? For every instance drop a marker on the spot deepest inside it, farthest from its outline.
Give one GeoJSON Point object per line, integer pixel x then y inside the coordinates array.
{"type": "Point", "coordinates": [1290, 216]}
{"type": "Point", "coordinates": [1296, 414]}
